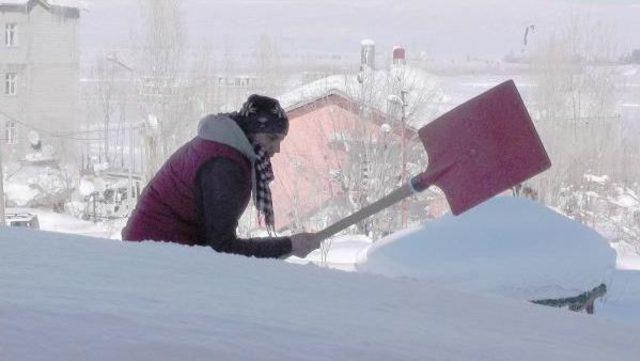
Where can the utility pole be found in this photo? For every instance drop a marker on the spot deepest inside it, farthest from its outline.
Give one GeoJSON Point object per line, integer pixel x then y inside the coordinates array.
{"type": "Point", "coordinates": [402, 102]}
{"type": "Point", "coordinates": [132, 190]}
{"type": "Point", "coordinates": [403, 150]}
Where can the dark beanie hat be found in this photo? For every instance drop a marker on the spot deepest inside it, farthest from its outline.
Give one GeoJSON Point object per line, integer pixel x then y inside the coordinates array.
{"type": "Point", "coordinates": [261, 114]}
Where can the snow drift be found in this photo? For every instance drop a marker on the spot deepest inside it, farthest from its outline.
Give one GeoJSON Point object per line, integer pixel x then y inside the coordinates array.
{"type": "Point", "coordinates": [506, 246]}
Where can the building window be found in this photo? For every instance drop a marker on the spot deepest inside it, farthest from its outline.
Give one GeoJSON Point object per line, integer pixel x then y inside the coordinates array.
{"type": "Point", "coordinates": [10, 84]}
{"type": "Point", "coordinates": [11, 35]}
{"type": "Point", "coordinates": [10, 132]}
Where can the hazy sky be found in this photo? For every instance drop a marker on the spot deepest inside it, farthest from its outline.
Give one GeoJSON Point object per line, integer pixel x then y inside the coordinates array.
{"type": "Point", "coordinates": [441, 28]}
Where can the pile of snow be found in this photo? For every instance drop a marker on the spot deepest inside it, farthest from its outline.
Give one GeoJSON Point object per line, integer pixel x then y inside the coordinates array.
{"type": "Point", "coordinates": [507, 246]}
{"type": "Point", "coordinates": [66, 297]}
{"type": "Point", "coordinates": [30, 185]}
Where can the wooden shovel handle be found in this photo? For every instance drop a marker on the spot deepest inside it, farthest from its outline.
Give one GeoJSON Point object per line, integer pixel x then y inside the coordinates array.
{"type": "Point", "coordinates": [415, 185]}
{"type": "Point", "coordinates": [389, 200]}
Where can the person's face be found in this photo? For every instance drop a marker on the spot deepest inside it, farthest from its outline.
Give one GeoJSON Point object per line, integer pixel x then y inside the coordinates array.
{"type": "Point", "coordinates": [269, 142]}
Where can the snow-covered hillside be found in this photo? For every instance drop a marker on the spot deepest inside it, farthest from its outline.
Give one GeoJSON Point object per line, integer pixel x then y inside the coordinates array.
{"type": "Point", "coordinates": [65, 297]}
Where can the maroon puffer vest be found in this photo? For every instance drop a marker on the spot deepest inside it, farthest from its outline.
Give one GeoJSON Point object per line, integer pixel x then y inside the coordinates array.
{"type": "Point", "coordinates": [167, 209]}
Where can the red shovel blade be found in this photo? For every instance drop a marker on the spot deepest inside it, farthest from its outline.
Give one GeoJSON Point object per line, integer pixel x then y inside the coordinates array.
{"type": "Point", "coordinates": [485, 145]}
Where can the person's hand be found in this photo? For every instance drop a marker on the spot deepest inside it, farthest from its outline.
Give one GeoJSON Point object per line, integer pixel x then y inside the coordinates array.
{"type": "Point", "coordinates": [303, 243]}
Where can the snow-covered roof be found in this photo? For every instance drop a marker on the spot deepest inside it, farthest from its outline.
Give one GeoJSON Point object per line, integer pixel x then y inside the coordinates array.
{"type": "Point", "coordinates": [67, 297]}
{"type": "Point", "coordinates": [424, 97]}
{"type": "Point", "coordinates": [78, 4]}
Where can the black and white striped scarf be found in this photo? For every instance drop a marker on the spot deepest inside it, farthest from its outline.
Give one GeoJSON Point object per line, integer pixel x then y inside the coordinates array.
{"type": "Point", "coordinates": [264, 175]}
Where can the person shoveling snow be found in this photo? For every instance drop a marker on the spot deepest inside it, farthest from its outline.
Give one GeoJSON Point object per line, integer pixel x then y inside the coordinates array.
{"type": "Point", "coordinates": [475, 151]}
{"type": "Point", "coordinates": [199, 194]}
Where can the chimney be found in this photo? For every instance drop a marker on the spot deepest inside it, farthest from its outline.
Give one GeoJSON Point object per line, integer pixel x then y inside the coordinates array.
{"type": "Point", "coordinates": [399, 56]}
{"type": "Point", "coordinates": [367, 54]}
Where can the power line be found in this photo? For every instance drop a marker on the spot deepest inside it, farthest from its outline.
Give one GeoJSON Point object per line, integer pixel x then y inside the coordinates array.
{"type": "Point", "coordinates": [68, 135]}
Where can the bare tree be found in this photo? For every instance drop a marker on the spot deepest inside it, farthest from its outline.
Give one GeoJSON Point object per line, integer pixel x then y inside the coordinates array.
{"type": "Point", "coordinates": [160, 65]}
{"type": "Point", "coordinates": [268, 65]}
{"type": "Point", "coordinates": [104, 95]}
{"type": "Point", "coordinates": [364, 152]}
{"type": "Point", "coordinates": [591, 145]}
{"type": "Point", "coordinates": [575, 102]}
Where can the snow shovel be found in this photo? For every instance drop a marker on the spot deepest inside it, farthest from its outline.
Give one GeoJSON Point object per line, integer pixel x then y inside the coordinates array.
{"type": "Point", "coordinates": [475, 151]}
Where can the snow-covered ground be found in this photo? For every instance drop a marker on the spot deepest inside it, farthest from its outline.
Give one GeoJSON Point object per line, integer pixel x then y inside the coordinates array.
{"type": "Point", "coordinates": [65, 223]}
{"type": "Point", "coordinates": [65, 297]}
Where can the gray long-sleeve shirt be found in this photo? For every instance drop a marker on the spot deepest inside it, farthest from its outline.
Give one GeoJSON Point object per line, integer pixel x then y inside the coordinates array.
{"type": "Point", "coordinates": [221, 202]}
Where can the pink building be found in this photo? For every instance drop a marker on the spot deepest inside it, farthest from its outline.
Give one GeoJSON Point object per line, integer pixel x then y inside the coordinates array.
{"type": "Point", "coordinates": [344, 148]}
{"type": "Point", "coordinates": [315, 152]}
